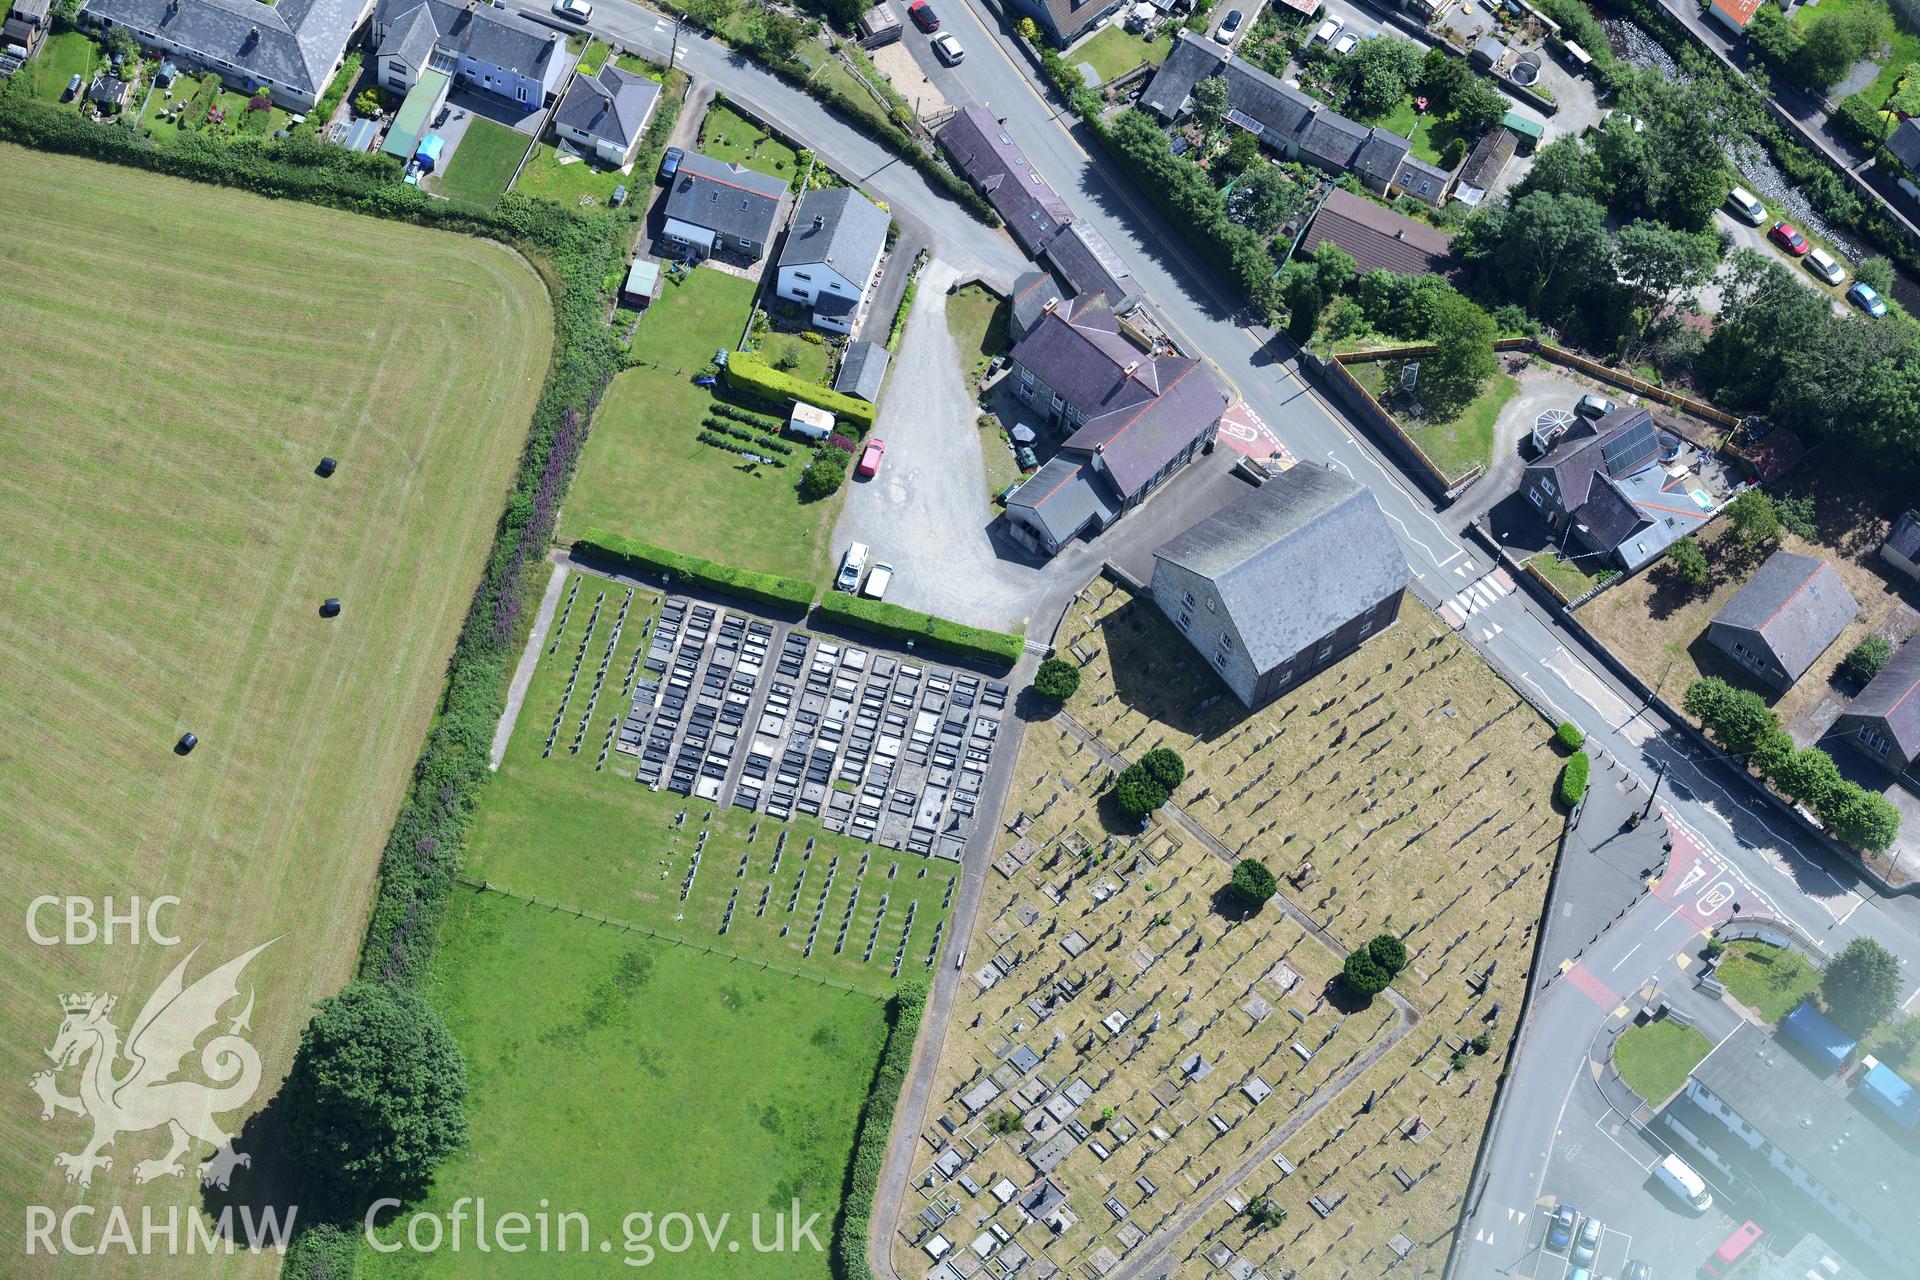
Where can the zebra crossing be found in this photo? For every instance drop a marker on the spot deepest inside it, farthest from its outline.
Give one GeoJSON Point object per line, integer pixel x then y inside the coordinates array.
{"type": "Point", "coordinates": [1478, 595]}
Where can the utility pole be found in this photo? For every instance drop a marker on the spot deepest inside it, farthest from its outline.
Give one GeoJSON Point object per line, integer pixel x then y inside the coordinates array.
{"type": "Point", "coordinates": [673, 53]}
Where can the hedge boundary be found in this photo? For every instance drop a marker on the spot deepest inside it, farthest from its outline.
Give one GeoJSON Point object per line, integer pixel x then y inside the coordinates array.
{"type": "Point", "coordinates": [1572, 787]}
{"type": "Point", "coordinates": [849, 1250]}
{"type": "Point", "coordinates": [895, 622]}
{"type": "Point", "coordinates": [747, 372]}
{"type": "Point", "coordinates": [636, 556]}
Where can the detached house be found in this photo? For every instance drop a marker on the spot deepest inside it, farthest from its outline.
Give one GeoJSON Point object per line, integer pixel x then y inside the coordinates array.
{"type": "Point", "coordinates": [1883, 722]}
{"type": "Point", "coordinates": [1787, 615]}
{"type": "Point", "coordinates": [713, 206]}
{"type": "Point", "coordinates": [484, 46]}
{"type": "Point", "coordinates": [291, 49]}
{"type": "Point", "coordinates": [607, 113]}
{"type": "Point", "coordinates": [1603, 485]}
{"type": "Point", "coordinates": [1284, 582]}
{"type": "Point", "coordinates": [832, 253]}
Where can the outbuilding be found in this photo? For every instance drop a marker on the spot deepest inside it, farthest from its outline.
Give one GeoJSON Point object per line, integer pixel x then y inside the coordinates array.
{"type": "Point", "coordinates": [642, 284]}
{"type": "Point", "coordinates": [1787, 615]}
{"type": "Point", "coordinates": [1901, 550]}
{"type": "Point", "coordinates": [810, 421]}
{"type": "Point", "coordinates": [1883, 722]}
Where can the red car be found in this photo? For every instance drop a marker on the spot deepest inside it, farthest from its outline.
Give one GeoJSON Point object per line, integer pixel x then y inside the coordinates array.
{"type": "Point", "coordinates": [870, 458]}
{"type": "Point", "coordinates": [923, 16]}
{"type": "Point", "coordinates": [1784, 235]}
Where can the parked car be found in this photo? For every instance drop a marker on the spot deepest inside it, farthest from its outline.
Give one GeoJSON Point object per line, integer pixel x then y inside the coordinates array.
{"type": "Point", "coordinates": [1746, 206]}
{"type": "Point", "coordinates": [1821, 263]}
{"type": "Point", "coordinates": [1229, 26]}
{"type": "Point", "coordinates": [923, 16]}
{"type": "Point", "coordinates": [1867, 298]}
{"type": "Point", "coordinates": [1325, 32]}
{"type": "Point", "coordinates": [870, 458]}
{"type": "Point", "coordinates": [1788, 237]}
{"type": "Point", "coordinates": [573, 10]}
{"type": "Point", "coordinates": [1345, 43]}
{"type": "Point", "coordinates": [1587, 1243]}
{"type": "Point", "coordinates": [876, 588]}
{"type": "Point", "coordinates": [852, 565]}
{"type": "Point", "coordinates": [1593, 406]}
{"type": "Point", "coordinates": [670, 162]}
{"type": "Point", "coordinates": [73, 86]}
{"type": "Point", "coordinates": [1560, 1229]}
{"type": "Point", "coordinates": [1637, 1271]}
{"type": "Point", "coordinates": [948, 49]}
{"type": "Point", "coordinates": [1615, 119]}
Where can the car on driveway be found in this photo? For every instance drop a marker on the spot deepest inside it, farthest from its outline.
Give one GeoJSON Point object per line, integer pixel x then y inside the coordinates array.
{"type": "Point", "coordinates": [1594, 406]}
{"type": "Point", "coordinates": [573, 10]}
{"type": "Point", "coordinates": [1325, 32]}
{"type": "Point", "coordinates": [1345, 43]}
{"type": "Point", "coordinates": [1229, 27]}
{"type": "Point", "coordinates": [1821, 263]}
{"type": "Point", "coordinates": [923, 16]}
{"type": "Point", "coordinates": [1560, 1229]}
{"type": "Point", "coordinates": [853, 566]}
{"type": "Point", "coordinates": [870, 458]}
{"type": "Point", "coordinates": [948, 49]}
{"type": "Point", "coordinates": [670, 162]}
{"type": "Point", "coordinates": [1587, 1243]}
{"type": "Point", "coordinates": [1867, 298]}
{"type": "Point", "coordinates": [876, 584]}
{"type": "Point", "coordinates": [1788, 237]}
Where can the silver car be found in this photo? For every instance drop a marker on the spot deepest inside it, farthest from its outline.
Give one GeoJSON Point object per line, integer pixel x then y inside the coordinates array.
{"type": "Point", "coordinates": [1587, 1243]}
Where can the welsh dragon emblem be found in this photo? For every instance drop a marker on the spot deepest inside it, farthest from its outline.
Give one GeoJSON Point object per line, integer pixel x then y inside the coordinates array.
{"type": "Point", "coordinates": [145, 1094]}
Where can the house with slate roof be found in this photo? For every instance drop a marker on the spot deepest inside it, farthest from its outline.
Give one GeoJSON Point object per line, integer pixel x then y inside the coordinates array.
{"type": "Point", "coordinates": [1377, 238]}
{"type": "Point", "coordinates": [863, 371]}
{"type": "Point", "coordinates": [832, 253]}
{"type": "Point", "coordinates": [1883, 721]}
{"type": "Point", "coordinates": [1065, 21]}
{"type": "Point", "coordinates": [985, 155]}
{"type": "Point", "coordinates": [1292, 122]}
{"type": "Point", "coordinates": [1284, 582]}
{"type": "Point", "coordinates": [1136, 412]}
{"type": "Point", "coordinates": [1788, 614]}
{"type": "Point", "coordinates": [291, 49]}
{"type": "Point", "coordinates": [1082, 259]}
{"type": "Point", "coordinates": [713, 206]}
{"type": "Point", "coordinates": [484, 46]}
{"type": "Point", "coordinates": [1604, 486]}
{"type": "Point", "coordinates": [606, 114]}
{"type": "Point", "coordinates": [1901, 550]}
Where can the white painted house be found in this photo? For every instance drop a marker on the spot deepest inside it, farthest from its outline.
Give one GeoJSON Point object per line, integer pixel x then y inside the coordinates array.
{"type": "Point", "coordinates": [831, 256]}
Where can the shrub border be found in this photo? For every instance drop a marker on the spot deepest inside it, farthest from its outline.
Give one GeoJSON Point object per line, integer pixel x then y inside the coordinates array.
{"type": "Point", "coordinates": [895, 622]}
{"type": "Point", "coordinates": [848, 1258]}
{"type": "Point", "coordinates": [643, 557]}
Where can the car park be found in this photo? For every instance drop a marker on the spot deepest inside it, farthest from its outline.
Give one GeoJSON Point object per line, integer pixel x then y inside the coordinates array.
{"type": "Point", "coordinates": [923, 16]}
{"type": "Point", "coordinates": [1345, 42]}
{"type": "Point", "coordinates": [1637, 1271]}
{"type": "Point", "coordinates": [1587, 1242]}
{"type": "Point", "coordinates": [1746, 206]}
{"type": "Point", "coordinates": [670, 162]}
{"type": "Point", "coordinates": [870, 458]}
{"type": "Point", "coordinates": [1788, 237]}
{"type": "Point", "coordinates": [1867, 298]}
{"type": "Point", "coordinates": [948, 49]}
{"type": "Point", "coordinates": [852, 566]}
{"type": "Point", "coordinates": [1229, 27]}
{"type": "Point", "coordinates": [573, 10]}
{"type": "Point", "coordinates": [877, 581]}
{"type": "Point", "coordinates": [1821, 263]}
{"type": "Point", "coordinates": [1560, 1229]}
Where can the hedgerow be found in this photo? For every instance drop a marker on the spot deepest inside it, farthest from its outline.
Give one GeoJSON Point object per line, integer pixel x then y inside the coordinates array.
{"type": "Point", "coordinates": [923, 628]}
{"type": "Point", "coordinates": [336, 91]}
{"type": "Point", "coordinates": [1573, 779]}
{"type": "Point", "coordinates": [747, 372]}
{"type": "Point", "coordinates": [642, 557]}
{"type": "Point", "coordinates": [849, 1254]}
{"type": "Point", "coordinates": [720, 426]}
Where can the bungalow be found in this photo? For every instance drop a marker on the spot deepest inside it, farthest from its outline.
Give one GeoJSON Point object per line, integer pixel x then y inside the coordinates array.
{"type": "Point", "coordinates": [831, 256]}
{"type": "Point", "coordinates": [1788, 614]}
{"type": "Point", "coordinates": [713, 206]}
{"type": "Point", "coordinates": [985, 155]}
{"type": "Point", "coordinates": [487, 47]}
{"type": "Point", "coordinates": [290, 49]}
{"type": "Point", "coordinates": [607, 113]}
{"type": "Point", "coordinates": [1487, 161]}
{"type": "Point", "coordinates": [1883, 722]}
{"type": "Point", "coordinates": [1377, 238]}
{"type": "Point", "coordinates": [1901, 550]}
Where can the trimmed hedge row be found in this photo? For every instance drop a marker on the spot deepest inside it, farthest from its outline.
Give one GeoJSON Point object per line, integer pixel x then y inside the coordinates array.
{"type": "Point", "coordinates": [747, 372]}
{"type": "Point", "coordinates": [330, 101]}
{"type": "Point", "coordinates": [761, 437]}
{"type": "Point", "coordinates": [737, 447]}
{"type": "Point", "coordinates": [1573, 779]}
{"type": "Point", "coordinates": [923, 628]}
{"type": "Point", "coordinates": [849, 1255]}
{"type": "Point", "coordinates": [636, 556]}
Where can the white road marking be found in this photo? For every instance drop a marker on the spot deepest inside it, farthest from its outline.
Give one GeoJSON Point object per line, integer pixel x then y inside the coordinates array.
{"type": "Point", "coordinates": [1623, 959]}
{"type": "Point", "coordinates": [1557, 713]}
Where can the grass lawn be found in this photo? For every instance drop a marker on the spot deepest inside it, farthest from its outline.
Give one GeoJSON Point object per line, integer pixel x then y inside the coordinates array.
{"type": "Point", "coordinates": [1656, 1059]}
{"type": "Point", "coordinates": [978, 321]}
{"type": "Point", "coordinates": [1572, 580]}
{"type": "Point", "coordinates": [614, 1074]}
{"type": "Point", "coordinates": [1458, 445]}
{"type": "Point", "coordinates": [731, 138]}
{"type": "Point", "coordinates": [1771, 980]}
{"type": "Point", "coordinates": [1429, 132]}
{"type": "Point", "coordinates": [483, 163]}
{"type": "Point", "coordinates": [577, 184]}
{"type": "Point", "coordinates": [64, 55]}
{"type": "Point", "coordinates": [810, 358]}
{"type": "Point", "coordinates": [593, 55]}
{"type": "Point", "coordinates": [164, 567]}
{"type": "Point", "coordinates": [692, 317]}
{"type": "Point", "coordinates": [645, 474]}
{"type": "Point", "coordinates": [1116, 51]}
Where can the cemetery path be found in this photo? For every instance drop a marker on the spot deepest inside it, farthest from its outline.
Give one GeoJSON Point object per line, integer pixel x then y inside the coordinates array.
{"type": "Point", "coordinates": [523, 674]}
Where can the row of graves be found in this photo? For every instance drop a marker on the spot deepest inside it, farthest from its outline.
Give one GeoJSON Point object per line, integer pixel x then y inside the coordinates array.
{"type": "Point", "coordinates": [748, 713]}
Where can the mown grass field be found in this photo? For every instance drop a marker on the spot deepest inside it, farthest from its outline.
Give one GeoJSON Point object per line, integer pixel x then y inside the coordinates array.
{"type": "Point", "coordinates": [1655, 1060]}
{"type": "Point", "coordinates": [178, 359]}
{"type": "Point", "coordinates": [483, 164]}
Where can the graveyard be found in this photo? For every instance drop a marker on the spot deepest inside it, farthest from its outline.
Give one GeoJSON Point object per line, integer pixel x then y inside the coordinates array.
{"type": "Point", "coordinates": [1139, 1074]}
{"type": "Point", "coordinates": [175, 374]}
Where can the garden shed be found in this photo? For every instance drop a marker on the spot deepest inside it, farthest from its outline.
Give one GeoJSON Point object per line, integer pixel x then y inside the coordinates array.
{"type": "Point", "coordinates": [410, 122]}
{"type": "Point", "coordinates": [642, 284]}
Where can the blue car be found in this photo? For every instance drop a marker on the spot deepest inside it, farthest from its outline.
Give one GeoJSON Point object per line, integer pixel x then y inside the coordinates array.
{"type": "Point", "coordinates": [1868, 299]}
{"type": "Point", "coordinates": [1560, 1230]}
{"type": "Point", "coordinates": [670, 162]}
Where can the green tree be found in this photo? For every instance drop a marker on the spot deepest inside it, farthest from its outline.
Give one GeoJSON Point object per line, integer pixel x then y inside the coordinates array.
{"type": "Point", "coordinates": [1264, 1214]}
{"type": "Point", "coordinates": [1807, 776]}
{"type": "Point", "coordinates": [1564, 167]}
{"type": "Point", "coordinates": [1363, 974]}
{"type": "Point", "coordinates": [825, 474]}
{"type": "Point", "coordinates": [1242, 154]}
{"type": "Point", "coordinates": [1263, 198]}
{"type": "Point", "coordinates": [710, 14]}
{"type": "Point", "coordinates": [1379, 73]}
{"type": "Point", "coordinates": [1441, 75]}
{"type": "Point", "coordinates": [1773, 752]}
{"type": "Point", "coordinates": [1477, 106]}
{"type": "Point", "coordinates": [119, 42]}
{"type": "Point", "coordinates": [776, 34]}
{"type": "Point", "coordinates": [1796, 515]}
{"type": "Point", "coordinates": [1662, 270]}
{"type": "Point", "coordinates": [1252, 883]}
{"type": "Point", "coordinates": [1836, 38]}
{"type": "Point", "coordinates": [375, 1099]}
{"type": "Point", "coordinates": [1164, 766]}
{"type": "Point", "coordinates": [1543, 250]}
{"type": "Point", "coordinates": [1462, 360]}
{"type": "Point", "coordinates": [1056, 680]}
{"type": "Point", "coordinates": [1875, 272]}
{"type": "Point", "coordinates": [1689, 561]}
{"type": "Point", "coordinates": [1753, 518]}
{"type": "Point", "coordinates": [1737, 719]}
{"type": "Point", "coordinates": [1210, 102]}
{"type": "Point", "coordinates": [1861, 986]}
{"type": "Point", "coordinates": [1137, 793]}
{"type": "Point", "coordinates": [1388, 952]}
{"type": "Point", "coordinates": [1766, 318]}
{"type": "Point", "coordinates": [1860, 818]}
{"type": "Point", "coordinates": [1866, 659]}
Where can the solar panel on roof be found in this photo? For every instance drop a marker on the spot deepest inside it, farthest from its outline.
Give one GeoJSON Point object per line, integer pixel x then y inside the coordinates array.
{"type": "Point", "coordinates": [1633, 449]}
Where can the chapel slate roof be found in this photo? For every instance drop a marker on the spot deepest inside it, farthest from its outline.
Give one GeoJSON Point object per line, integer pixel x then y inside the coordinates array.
{"type": "Point", "coordinates": [1796, 604]}
{"type": "Point", "coordinates": [1893, 696]}
{"type": "Point", "coordinates": [1294, 560]}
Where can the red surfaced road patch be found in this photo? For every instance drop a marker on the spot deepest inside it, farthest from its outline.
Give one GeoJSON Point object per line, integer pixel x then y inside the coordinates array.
{"type": "Point", "coordinates": [1242, 430]}
{"type": "Point", "coordinates": [1582, 980]}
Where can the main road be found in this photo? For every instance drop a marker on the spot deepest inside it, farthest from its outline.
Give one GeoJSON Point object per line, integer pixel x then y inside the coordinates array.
{"type": "Point", "coordinates": [1743, 845]}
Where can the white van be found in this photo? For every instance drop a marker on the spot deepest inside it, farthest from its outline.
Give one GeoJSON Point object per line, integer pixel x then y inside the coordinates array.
{"type": "Point", "coordinates": [851, 567]}
{"type": "Point", "coordinates": [1677, 1176]}
{"type": "Point", "coordinates": [876, 588]}
{"type": "Point", "coordinates": [1744, 206]}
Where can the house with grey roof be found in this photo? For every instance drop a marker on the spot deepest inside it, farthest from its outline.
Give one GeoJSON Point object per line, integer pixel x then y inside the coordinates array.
{"type": "Point", "coordinates": [1084, 260]}
{"type": "Point", "coordinates": [832, 255]}
{"type": "Point", "coordinates": [1901, 550]}
{"type": "Point", "coordinates": [1292, 122]}
{"type": "Point", "coordinates": [863, 371]}
{"type": "Point", "coordinates": [482, 46]}
{"type": "Point", "coordinates": [1283, 582]}
{"type": "Point", "coordinates": [713, 206]}
{"type": "Point", "coordinates": [606, 114]}
{"type": "Point", "coordinates": [1883, 721]}
{"type": "Point", "coordinates": [1603, 486]}
{"type": "Point", "coordinates": [1065, 21]}
{"type": "Point", "coordinates": [1789, 613]}
{"type": "Point", "coordinates": [985, 155]}
{"type": "Point", "coordinates": [1135, 411]}
{"type": "Point", "coordinates": [1904, 143]}
{"type": "Point", "coordinates": [291, 49]}
{"type": "Point", "coordinates": [1034, 292]}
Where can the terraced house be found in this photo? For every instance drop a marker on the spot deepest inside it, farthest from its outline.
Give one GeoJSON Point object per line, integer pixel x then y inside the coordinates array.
{"type": "Point", "coordinates": [291, 49]}
{"type": "Point", "coordinates": [488, 47]}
